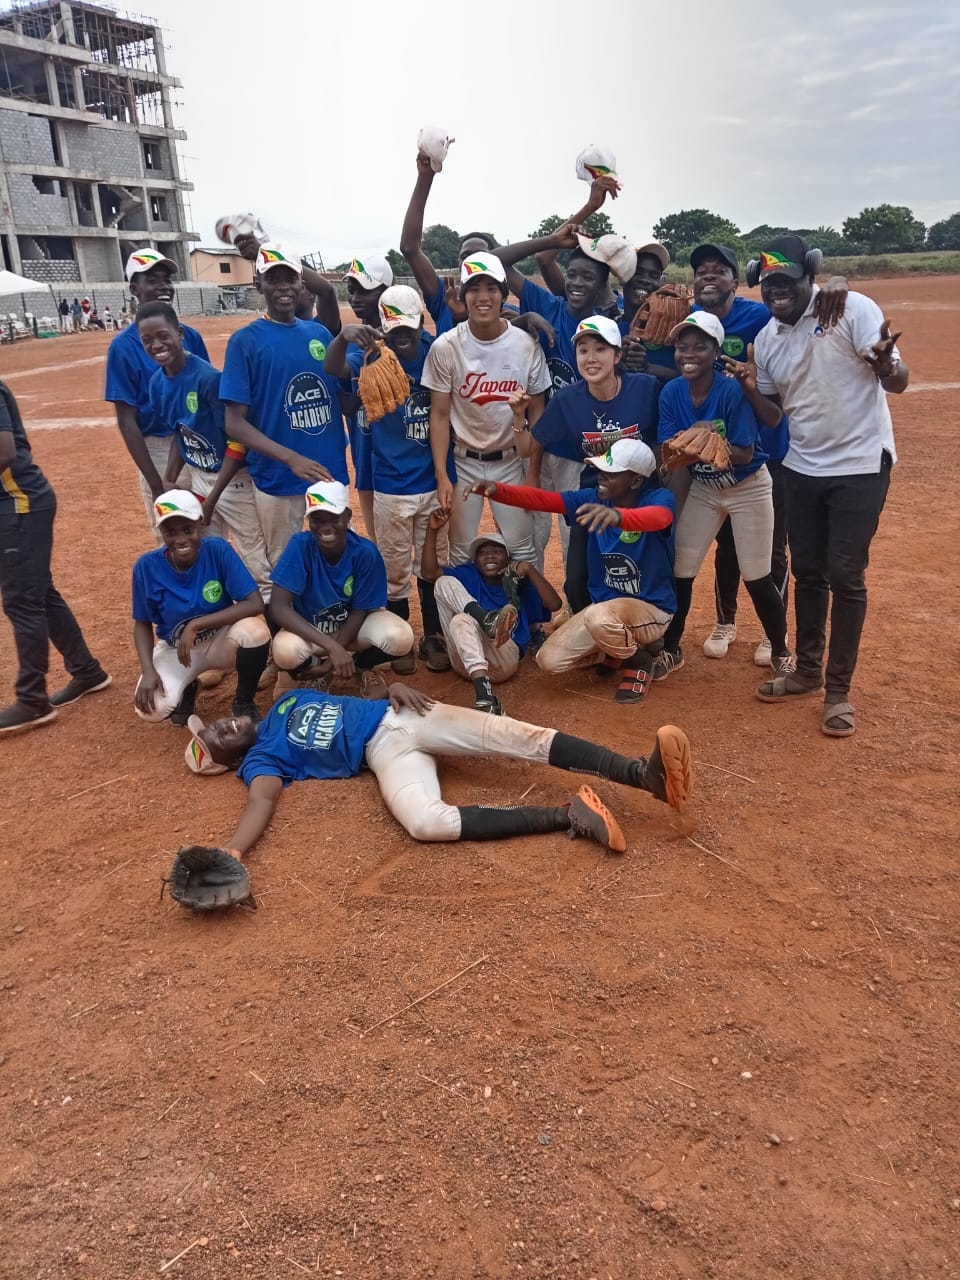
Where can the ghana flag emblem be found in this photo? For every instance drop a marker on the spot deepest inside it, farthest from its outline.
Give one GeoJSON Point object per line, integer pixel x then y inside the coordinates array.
{"type": "Point", "coordinates": [474, 268]}
{"type": "Point", "coordinates": [770, 261]}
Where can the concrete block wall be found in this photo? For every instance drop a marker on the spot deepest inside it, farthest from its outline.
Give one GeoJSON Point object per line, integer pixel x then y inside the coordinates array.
{"type": "Point", "coordinates": [30, 206]}
{"type": "Point", "coordinates": [100, 258]}
{"type": "Point", "coordinates": [50, 270]}
{"type": "Point", "coordinates": [25, 139]}
{"type": "Point", "coordinates": [117, 152]}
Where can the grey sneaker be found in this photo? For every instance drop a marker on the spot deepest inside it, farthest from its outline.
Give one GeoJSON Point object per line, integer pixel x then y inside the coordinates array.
{"type": "Point", "coordinates": [666, 663]}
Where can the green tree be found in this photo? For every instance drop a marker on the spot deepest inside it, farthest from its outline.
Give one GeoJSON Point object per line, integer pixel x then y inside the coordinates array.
{"type": "Point", "coordinates": [682, 232]}
{"type": "Point", "coordinates": [398, 263]}
{"type": "Point", "coordinates": [753, 241]}
{"type": "Point", "coordinates": [945, 234]}
{"type": "Point", "coordinates": [598, 224]}
{"type": "Point", "coordinates": [442, 246]}
{"type": "Point", "coordinates": [888, 228]}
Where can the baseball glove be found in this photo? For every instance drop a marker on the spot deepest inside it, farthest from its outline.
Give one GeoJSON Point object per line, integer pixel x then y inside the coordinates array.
{"type": "Point", "coordinates": [383, 386]}
{"type": "Point", "coordinates": [659, 313]}
{"type": "Point", "coordinates": [204, 879]}
{"type": "Point", "coordinates": [696, 444]}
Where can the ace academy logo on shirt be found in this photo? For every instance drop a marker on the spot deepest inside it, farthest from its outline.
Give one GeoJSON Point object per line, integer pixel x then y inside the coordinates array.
{"type": "Point", "coordinates": [481, 389]}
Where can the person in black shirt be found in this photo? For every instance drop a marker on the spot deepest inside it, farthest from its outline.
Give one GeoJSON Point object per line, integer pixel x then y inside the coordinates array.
{"type": "Point", "coordinates": [37, 611]}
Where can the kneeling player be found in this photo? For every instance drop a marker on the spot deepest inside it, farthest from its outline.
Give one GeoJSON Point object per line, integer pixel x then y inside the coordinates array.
{"type": "Point", "coordinates": [207, 611]}
{"type": "Point", "coordinates": [316, 735]}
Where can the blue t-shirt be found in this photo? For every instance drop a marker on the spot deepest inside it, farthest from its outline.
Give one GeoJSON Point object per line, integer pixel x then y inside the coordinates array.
{"type": "Point", "coordinates": [324, 593]}
{"type": "Point", "coordinates": [358, 433]}
{"type": "Point", "coordinates": [130, 370]}
{"type": "Point", "coordinates": [532, 609]}
{"type": "Point", "coordinates": [312, 735]}
{"type": "Point", "coordinates": [277, 371]}
{"type": "Point", "coordinates": [169, 597]}
{"type": "Point", "coordinates": [623, 562]}
{"type": "Point", "coordinates": [741, 326]}
{"type": "Point", "coordinates": [561, 358]}
{"type": "Point", "coordinates": [190, 403]}
{"type": "Point", "coordinates": [726, 408]}
{"type": "Point", "coordinates": [576, 425]}
{"type": "Point", "coordinates": [400, 442]}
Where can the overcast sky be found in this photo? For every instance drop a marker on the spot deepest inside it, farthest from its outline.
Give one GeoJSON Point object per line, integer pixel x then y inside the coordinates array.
{"type": "Point", "coordinates": [763, 111]}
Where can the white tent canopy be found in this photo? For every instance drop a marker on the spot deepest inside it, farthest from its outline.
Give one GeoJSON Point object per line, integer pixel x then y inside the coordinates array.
{"type": "Point", "coordinates": [10, 282]}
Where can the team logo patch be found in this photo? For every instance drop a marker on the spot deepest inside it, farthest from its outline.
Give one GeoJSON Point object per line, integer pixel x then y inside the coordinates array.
{"type": "Point", "coordinates": [193, 402]}
{"type": "Point", "coordinates": [631, 535]}
{"type": "Point", "coordinates": [212, 591]}
{"type": "Point", "coordinates": [146, 259]}
{"type": "Point", "coordinates": [317, 500]}
{"type": "Point", "coordinates": [391, 312]}
{"type": "Point", "coordinates": [357, 268]}
{"type": "Point", "coordinates": [285, 705]}
{"type": "Point", "coordinates": [776, 261]}
{"type": "Point", "coordinates": [472, 267]}
{"type": "Point", "coordinates": [272, 255]}
{"type": "Point", "coordinates": [308, 403]}
{"type": "Point", "coordinates": [733, 347]}
{"type": "Point", "coordinates": [317, 349]}
{"type": "Point", "coordinates": [348, 587]}
{"type": "Point", "coordinates": [587, 326]}
{"type": "Point", "coordinates": [598, 171]}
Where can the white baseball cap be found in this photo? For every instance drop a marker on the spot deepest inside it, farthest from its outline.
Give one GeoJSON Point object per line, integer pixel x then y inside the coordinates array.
{"type": "Point", "coordinates": [371, 272]}
{"type": "Point", "coordinates": [400, 305]}
{"type": "Point", "coordinates": [477, 543]}
{"type": "Point", "coordinates": [601, 327]}
{"type": "Point", "coordinates": [627, 455]}
{"type": "Point", "coordinates": [197, 755]}
{"type": "Point", "coordinates": [657, 251]}
{"type": "Point", "coordinates": [614, 251]}
{"type": "Point", "coordinates": [704, 320]}
{"type": "Point", "coordinates": [328, 495]}
{"type": "Point", "coordinates": [271, 255]}
{"type": "Point", "coordinates": [482, 264]}
{"type": "Point", "coordinates": [177, 502]}
{"type": "Point", "coordinates": [146, 260]}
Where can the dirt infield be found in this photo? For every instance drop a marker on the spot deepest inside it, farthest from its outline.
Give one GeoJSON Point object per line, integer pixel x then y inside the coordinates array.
{"type": "Point", "coordinates": [730, 1054]}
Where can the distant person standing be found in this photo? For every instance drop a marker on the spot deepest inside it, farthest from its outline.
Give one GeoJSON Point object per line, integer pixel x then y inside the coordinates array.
{"type": "Point", "coordinates": [76, 313]}
{"type": "Point", "coordinates": [66, 320]}
{"type": "Point", "coordinates": [85, 309]}
{"type": "Point", "coordinates": [37, 611]}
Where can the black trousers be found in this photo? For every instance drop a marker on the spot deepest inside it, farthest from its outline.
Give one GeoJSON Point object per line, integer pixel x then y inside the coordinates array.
{"type": "Point", "coordinates": [37, 611]}
{"type": "Point", "coordinates": [726, 565]}
{"type": "Point", "coordinates": [832, 520]}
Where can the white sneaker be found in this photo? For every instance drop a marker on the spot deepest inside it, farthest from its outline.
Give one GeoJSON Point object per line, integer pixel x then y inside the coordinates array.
{"type": "Point", "coordinates": [720, 639]}
{"type": "Point", "coordinates": [763, 653]}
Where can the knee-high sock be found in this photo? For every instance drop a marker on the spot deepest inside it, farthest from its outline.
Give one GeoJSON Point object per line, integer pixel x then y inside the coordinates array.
{"type": "Point", "coordinates": [577, 755]}
{"type": "Point", "coordinates": [478, 822]}
{"type": "Point", "coordinates": [250, 666]}
{"type": "Point", "coordinates": [428, 608]}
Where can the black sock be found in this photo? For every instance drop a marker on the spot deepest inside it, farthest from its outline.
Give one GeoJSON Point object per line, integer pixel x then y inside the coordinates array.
{"type": "Point", "coordinates": [483, 689]}
{"type": "Point", "coordinates": [250, 665]}
{"type": "Point", "coordinates": [400, 609]}
{"type": "Point", "coordinates": [475, 611]}
{"type": "Point", "coordinates": [577, 755]}
{"type": "Point", "coordinates": [370, 658]}
{"type": "Point", "coordinates": [428, 607]}
{"type": "Point", "coordinates": [642, 660]}
{"type": "Point", "coordinates": [768, 604]}
{"type": "Point", "coordinates": [478, 822]}
{"type": "Point", "coordinates": [674, 632]}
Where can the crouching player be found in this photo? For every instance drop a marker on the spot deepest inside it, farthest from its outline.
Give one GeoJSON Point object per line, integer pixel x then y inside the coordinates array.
{"type": "Point", "coordinates": [207, 611]}
{"type": "Point", "coordinates": [629, 567]}
{"type": "Point", "coordinates": [311, 734]}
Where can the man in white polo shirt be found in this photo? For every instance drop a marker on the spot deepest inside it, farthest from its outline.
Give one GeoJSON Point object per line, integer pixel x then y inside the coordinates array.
{"type": "Point", "coordinates": [472, 371]}
{"type": "Point", "coordinates": [832, 384]}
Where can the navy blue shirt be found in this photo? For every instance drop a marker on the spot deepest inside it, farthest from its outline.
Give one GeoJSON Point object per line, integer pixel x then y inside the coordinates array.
{"type": "Point", "coordinates": [312, 735]}
{"type": "Point", "coordinates": [731, 416]}
{"type": "Point", "coordinates": [576, 425]}
{"type": "Point", "coordinates": [189, 403]}
{"type": "Point", "coordinates": [130, 370]}
{"type": "Point", "coordinates": [277, 371]}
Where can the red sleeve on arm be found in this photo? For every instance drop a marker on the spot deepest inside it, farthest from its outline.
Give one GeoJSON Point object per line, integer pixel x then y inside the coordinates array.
{"type": "Point", "coordinates": [645, 519]}
{"type": "Point", "coordinates": [522, 495]}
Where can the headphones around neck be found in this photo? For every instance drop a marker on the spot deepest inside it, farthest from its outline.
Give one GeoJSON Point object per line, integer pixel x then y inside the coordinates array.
{"type": "Point", "coordinates": [812, 262]}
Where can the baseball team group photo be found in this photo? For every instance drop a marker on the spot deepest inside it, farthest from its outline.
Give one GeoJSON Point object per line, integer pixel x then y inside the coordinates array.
{"type": "Point", "coordinates": [593, 587]}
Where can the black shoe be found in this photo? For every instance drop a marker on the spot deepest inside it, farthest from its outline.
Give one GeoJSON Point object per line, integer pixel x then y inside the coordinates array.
{"type": "Point", "coordinates": [433, 650]}
{"type": "Point", "coordinates": [17, 718]}
{"type": "Point", "coordinates": [590, 817]}
{"type": "Point", "coordinates": [666, 771]}
{"type": "Point", "coordinates": [486, 700]}
{"type": "Point", "coordinates": [185, 707]}
{"type": "Point", "coordinates": [405, 665]}
{"type": "Point", "coordinates": [242, 708]}
{"type": "Point", "coordinates": [634, 683]}
{"type": "Point", "coordinates": [538, 638]}
{"type": "Point", "coordinates": [79, 686]}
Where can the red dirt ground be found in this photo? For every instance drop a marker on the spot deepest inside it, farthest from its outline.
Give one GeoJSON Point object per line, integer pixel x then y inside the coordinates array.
{"type": "Point", "coordinates": [735, 1058]}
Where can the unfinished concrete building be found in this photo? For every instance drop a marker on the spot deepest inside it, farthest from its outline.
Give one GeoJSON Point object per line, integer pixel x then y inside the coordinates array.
{"type": "Point", "coordinates": [88, 155]}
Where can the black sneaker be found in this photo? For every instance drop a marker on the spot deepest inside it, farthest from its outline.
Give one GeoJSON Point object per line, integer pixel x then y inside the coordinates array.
{"type": "Point", "coordinates": [498, 624]}
{"type": "Point", "coordinates": [538, 638]}
{"type": "Point", "coordinates": [79, 686]}
{"type": "Point", "coordinates": [241, 708]}
{"type": "Point", "coordinates": [185, 707]}
{"type": "Point", "coordinates": [666, 772]}
{"type": "Point", "coordinates": [17, 718]}
{"type": "Point", "coordinates": [433, 650]}
{"type": "Point", "coordinates": [590, 817]}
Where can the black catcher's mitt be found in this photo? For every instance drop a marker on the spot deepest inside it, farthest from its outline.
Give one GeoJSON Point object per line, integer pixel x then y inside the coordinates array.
{"type": "Point", "coordinates": [204, 879]}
